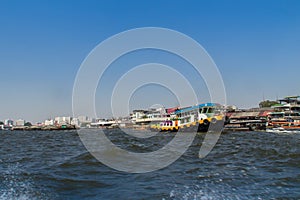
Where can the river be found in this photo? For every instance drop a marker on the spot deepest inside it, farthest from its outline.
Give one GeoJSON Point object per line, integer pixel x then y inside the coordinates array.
{"type": "Point", "coordinates": [242, 165]}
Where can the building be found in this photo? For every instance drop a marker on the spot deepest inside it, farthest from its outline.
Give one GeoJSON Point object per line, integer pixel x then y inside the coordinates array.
{"type": "Point", "coordinates": [62, 120]}
{"type": "Point", "coordinates": [49, 122]}
{"type": "Point", "coordinates": [58, 120]}
{"type": "Point", "coordinates": [156, 112]}
{"type": "Point", "coordinates": [67, 120]}
{"type": "Point", "coordinates": [9, 122]}
{"type": "Point", "coordinates": [20, 122]}
{"type": "Point", "coordinates": [75, 122]}
{"type": "Point", "coordinates": [138, 114]}
{"type": "Point", "coordinates": [83, 119]}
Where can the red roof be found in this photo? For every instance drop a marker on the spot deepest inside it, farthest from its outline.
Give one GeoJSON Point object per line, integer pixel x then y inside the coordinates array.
{"type": "Point", "coordinates": [171, 110]}
{"type": "Point", "coordinates": [264, 113]}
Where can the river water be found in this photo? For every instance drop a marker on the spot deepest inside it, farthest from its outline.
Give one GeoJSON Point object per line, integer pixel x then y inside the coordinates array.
{"type": "Point", "coordinates": [56, 165]}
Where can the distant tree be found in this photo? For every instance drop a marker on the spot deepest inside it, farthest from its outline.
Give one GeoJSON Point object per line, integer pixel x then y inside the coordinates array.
{"type": "Point", "coordinates": [27, 124]}
{"type": "Point", "coordinates": [267, 104]}
{"type": "Point", "coordinates": [1, 123]}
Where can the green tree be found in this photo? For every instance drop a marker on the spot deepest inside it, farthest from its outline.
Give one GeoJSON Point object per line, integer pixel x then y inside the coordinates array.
{"type": "Point", "coordinates": [27, 124]}
{"type": "Point", "coordinates": [267, 104]}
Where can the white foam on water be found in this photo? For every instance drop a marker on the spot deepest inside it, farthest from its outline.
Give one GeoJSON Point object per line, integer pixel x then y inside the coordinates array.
{"type": "Point", "coordinates": [200, 193]}
{"type": "Point", "coordinates": [15, 186]}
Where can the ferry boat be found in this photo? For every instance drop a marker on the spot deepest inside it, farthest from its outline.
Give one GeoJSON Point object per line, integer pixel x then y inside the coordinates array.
{"type": "Point", "coordinates": [195, 118]}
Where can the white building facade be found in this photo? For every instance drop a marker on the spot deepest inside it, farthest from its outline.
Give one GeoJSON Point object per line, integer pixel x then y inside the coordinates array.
{"type": "Point", "coordinates": [20, 122]}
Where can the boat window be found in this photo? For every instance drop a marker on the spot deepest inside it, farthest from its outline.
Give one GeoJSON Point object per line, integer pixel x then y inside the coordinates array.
{"type": "Point", "coordinates": [295, 109]}
{"type": "Point", "coordinates": [293, 114]}
{"type": "Point", "coordinates": [277, 115]}
{"type": "Point", "coordinates": [204, 110]}
{"type": "Point", "coordinates": [211, 110]}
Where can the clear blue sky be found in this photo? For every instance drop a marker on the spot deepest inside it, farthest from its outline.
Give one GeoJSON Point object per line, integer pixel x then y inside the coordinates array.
{"type": "Point", "coordinates": [255, 44]}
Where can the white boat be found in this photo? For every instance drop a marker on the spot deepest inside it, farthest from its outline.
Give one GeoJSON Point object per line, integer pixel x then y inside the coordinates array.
{"type": "Point", "coordinates": [102, 123]}
{"type": "Point", "coordinates": [282, 130]}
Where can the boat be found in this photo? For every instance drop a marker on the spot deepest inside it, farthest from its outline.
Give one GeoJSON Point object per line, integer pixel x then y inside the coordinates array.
{"type": "Point", "coordinates": [283, 130]}
{"type": "Point", "coordinates": [103, 123]}
{"type": "Point", "coordinates": [246, 121]}
{"type": "Point", "coordinates": [195, 118]}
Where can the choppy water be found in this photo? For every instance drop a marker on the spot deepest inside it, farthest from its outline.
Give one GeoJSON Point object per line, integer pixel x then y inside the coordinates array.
{"type": "Point", "coordinates": [55, 165]}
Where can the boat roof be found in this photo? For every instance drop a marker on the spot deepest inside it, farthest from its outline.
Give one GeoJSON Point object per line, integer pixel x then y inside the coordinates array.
{"type": "Point", "coordinates": [290, 99]}
{"type": "Point", "coordinates": [187, 109]}
{"type": "Point", "coordinates": [285, 105]}
{"type": "Point", "coordinates": [244, 114]}
{"type": "Point", "coordinates": [276, 113]}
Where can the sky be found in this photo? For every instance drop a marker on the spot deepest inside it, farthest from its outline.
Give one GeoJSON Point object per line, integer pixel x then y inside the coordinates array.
{"type": "Point", "coordinates": [254, 44]}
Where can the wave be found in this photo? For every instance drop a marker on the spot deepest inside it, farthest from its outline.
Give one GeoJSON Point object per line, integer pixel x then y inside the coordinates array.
{"type": "Point", "coordinates": [17, 184]}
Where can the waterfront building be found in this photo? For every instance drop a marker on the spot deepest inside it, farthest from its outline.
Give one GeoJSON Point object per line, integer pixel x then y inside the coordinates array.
{"type": "Point", "coordinates": [159, 112]}
{"type": "Point", "coordinates": [59, 120]}
{"type": "Point", "coordinates": [9, 122]}
{"type": "Point", "coordinates": [20, 122]}
{"type": "Point", "coordinates": [62, 120]}
{"type": "Point", "coordinates": [49, 122]}
{"type": "Point", "coordinates": [83, 119]}
{"type": "Point", "coordinates": [75, 122]}
{"type": "Point", "coordinates": [67, 120]}
{"type": "Point", "coordinates": [39, 124]}
{"type": "Point", "coordinates": [138, 114]}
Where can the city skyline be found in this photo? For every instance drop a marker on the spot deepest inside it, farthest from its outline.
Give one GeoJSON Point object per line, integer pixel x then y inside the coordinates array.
{"type": "Point", "coordinates": [254, 44]}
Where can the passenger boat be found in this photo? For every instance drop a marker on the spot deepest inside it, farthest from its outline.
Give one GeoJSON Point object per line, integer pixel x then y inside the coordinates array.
{"type": "Point", "coordinates": [195, 118]}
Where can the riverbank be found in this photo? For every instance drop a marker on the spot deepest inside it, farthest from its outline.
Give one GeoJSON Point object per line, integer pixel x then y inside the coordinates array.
{"type": "Point", "coordinates": [43, 128]}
